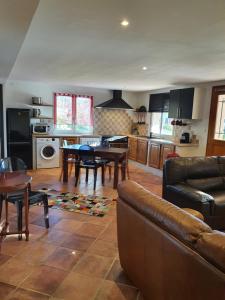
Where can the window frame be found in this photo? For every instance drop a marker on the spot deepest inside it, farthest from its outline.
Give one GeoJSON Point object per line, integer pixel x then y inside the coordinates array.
{"type": "Point", "coordinates": [160, 134]}
{"type": "Point", "coordinates": [74, 113]}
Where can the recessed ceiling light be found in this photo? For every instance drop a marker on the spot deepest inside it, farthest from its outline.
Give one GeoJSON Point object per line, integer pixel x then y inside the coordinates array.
{"type": "Point", "coordinates": [125, 23]}
{"type": "Point", "coordinates": [144, 68]}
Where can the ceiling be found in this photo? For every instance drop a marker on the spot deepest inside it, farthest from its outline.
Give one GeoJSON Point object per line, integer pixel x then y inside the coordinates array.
{"type": "Point", "coordinates": [15, 18]}
{"type": "Point", "coordinates": [81, 42]}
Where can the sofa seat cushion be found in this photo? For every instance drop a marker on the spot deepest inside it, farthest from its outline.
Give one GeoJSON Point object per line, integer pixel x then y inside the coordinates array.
{"type": "Point", "coordinates": [207, 184]}
{"type": "Point", "coordinates": [219, 202]}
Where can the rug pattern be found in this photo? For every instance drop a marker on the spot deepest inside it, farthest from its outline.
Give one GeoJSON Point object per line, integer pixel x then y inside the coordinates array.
{"type": "Point", "coordinates": [86, 204]}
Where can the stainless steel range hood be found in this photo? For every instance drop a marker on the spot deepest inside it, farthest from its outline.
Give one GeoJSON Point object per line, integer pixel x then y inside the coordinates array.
{"type": "Point", "coordinates": [115, 103]}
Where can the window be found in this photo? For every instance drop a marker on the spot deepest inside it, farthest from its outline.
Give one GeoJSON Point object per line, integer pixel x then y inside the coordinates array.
{"type": "Point", "coordinates": [73, 113]}
{"type": "Point", "coordinates": [161, 124]}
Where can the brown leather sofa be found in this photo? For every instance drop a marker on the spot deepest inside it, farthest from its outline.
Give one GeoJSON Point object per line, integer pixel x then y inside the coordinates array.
{"type": "Point", "coordinates": [198, 183]}
{"type": "Point", "coordinates": [166, 252]}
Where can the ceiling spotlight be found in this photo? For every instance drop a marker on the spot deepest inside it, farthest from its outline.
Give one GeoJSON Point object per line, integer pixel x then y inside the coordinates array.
{"type": "Point", "coordinates": [144, 68]}
{"type": "Point", "coordinates": [125, 23]}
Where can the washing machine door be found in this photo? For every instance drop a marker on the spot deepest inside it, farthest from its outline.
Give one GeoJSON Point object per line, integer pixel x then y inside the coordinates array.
{"type": "Point", "coordinates": [48, 152]}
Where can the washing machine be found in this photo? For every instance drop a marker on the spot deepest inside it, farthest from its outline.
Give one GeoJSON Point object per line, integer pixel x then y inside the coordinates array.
{"type": "Point", "coordinates": [47, 152]}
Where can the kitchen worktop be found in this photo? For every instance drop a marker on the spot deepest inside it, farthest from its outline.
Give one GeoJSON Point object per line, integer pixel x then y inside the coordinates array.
{"type": "Point", "coordinates": [163, 141]}
{"type": "Point", "coordinates": [64, 135]}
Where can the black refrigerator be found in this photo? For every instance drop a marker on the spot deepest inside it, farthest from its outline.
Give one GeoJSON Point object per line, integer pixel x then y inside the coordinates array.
{"type": "Point", "coordinates": [1, 123]}
{"type": "Point", "coordinates": [19, 136]}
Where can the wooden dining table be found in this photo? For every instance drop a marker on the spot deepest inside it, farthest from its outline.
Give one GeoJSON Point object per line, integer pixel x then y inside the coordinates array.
{"type": "Point", "coordinates": [118, 155]}
{"type": "Point", "coordinates": [11, 182]}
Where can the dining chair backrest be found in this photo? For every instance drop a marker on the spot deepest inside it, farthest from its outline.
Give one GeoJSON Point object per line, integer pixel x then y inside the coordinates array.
{"type": "Point", "coordinates": [90, 153]}
{"type": "Point", "coordinates": [65, 143]}
{"type": "Point", "coordinates": [10, 164]}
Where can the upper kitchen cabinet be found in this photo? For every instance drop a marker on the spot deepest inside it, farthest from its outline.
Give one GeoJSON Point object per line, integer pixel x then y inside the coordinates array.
{"type": "Point", "coordinates": [186, 103]}
{"type": "Point", "coordinates": [159, 102]}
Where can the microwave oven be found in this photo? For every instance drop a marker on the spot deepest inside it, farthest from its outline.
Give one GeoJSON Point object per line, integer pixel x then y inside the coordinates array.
{"type": "Point", "coordinates": [40, 128]}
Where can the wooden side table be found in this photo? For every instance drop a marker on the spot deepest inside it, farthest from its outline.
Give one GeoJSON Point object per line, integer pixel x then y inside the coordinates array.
{"type": "Point", "coordinates": [11, 182]}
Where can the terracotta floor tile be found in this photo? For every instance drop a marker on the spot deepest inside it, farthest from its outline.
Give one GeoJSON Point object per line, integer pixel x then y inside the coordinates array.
{"type": "Point", "coordinates": [14, 271]}
{"type": "Point", "coordinates": [57, 237]}
{"type": "Point", "coordinates": [63, 258]}
{"type": "Point", "coordinates": [68, 225]}
{"type": "Point", "coordinates": [78, 242]}
{"type": "Point", "coordinates": [53, 219]}
{"type": "Point", "coordinates": [115, 291]}
{"type": "Point", "coordinates": [4, 258]}
{"type": "Point", "coordinates": [103, 248]}
{"type": "Point", "coordinates": [36, 232]}
{"type": "Point", "coordinates": [36, 252]}
{"type": "Point", "coordinates": [117, 274]}
{"type": "Point", "coordinates": [5, 290]}
{"type": "Point", "coordinates": [11, 246]}
{"type": "Point", "coordinates": [44, 279]}
{"type": "Point", "coordinates": [21, 294]}
{"type": "Point", "coordinates": [93, 265]}
{"type": "Point", "coordinates": [78, 287]}
{"type": "Point", "coordinates": [91, 230]}
{"type": "Point", "coordinates": [103, 221]}
{"type": "Point", "coordinates": [110, 233]}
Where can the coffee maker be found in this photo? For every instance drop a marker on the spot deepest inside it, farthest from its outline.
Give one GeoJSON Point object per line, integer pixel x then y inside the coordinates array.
{"type": "Point", "coordinates": [185, 138]}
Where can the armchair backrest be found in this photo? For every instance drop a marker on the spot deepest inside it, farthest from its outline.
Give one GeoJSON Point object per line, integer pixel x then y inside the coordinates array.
{"type": "Point", "coordinates": [86, 153]}
{"type": "Point", "coordinates": [180, 169]}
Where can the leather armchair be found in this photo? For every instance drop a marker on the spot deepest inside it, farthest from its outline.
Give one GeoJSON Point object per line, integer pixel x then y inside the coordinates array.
{"type": "Point", "coordinates": [197, 183]}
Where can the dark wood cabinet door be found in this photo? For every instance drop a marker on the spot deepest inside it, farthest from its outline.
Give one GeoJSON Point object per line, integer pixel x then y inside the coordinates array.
{"type": "Point", "coordinates": [165, 150]}
{"type": "Point", "coordinates": [174, 104]}
{"type": "Point", "coordinates": [154, 155]}
{"type": "Point", "coordinates": [132, 144]}
{"type": "Point", "coordinates": [186, 103]}
{"type": "Point", "coordinates": [142, 151]}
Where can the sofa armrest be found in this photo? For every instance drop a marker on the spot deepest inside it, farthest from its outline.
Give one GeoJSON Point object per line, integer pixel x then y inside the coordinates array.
{"type": "Point", "coordinates": [183, 195]}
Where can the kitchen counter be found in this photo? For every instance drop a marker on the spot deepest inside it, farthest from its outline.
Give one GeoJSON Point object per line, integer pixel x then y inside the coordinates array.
{"type": "Point", "coordinates": [163, 141]}
{"type": "Point", "coordinates": [64, 135]}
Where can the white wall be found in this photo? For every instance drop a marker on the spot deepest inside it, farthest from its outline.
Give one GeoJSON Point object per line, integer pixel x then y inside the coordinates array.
{"type": "Point", "coordinates": [19, 93]}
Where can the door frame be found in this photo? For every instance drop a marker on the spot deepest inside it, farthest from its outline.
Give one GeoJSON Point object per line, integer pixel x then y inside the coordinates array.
{"type": "Point", "coordinates": [216, 91]}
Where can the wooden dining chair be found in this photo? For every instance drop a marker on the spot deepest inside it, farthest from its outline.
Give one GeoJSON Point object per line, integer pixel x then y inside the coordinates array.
{"type": "Point", "coordinates": [11, 164]}
{"type": "Point", "coordinates": [89, 162]}
{"type": "Point", "coordinates": [71, 162]}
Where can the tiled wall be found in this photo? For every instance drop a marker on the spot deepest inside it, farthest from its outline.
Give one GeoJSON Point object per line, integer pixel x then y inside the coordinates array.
{"type": "Point", "coordinates": [113, 121]}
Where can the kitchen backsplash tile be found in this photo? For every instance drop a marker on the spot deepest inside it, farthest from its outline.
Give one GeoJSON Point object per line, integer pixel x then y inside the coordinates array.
{"type": "Point", "coordinates": [112, 121]}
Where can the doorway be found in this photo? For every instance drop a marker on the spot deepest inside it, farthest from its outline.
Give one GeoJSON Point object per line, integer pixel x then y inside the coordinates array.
{"type": "Point", "coordinates": [216, 131]}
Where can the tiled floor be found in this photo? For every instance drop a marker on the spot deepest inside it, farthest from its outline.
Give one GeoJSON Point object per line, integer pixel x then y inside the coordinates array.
{"type": "Point", "coordinates": [77, 258]}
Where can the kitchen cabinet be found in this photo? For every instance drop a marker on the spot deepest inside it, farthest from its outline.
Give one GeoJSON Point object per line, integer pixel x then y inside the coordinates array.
{"type": "Point", "coordinates": [186, 103]}
{"type": "Point", "coordinates": [142, 151]}
{"type": "Point", "coordinates": [132, 143]}
{"type": "Point", "coordinates": [165, 150]}
{"type": "Point", "coordinates": [154, 155]}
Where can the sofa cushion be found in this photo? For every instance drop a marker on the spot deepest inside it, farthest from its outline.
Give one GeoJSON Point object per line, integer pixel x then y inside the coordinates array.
{"type": "Point", "coordinates": [179, 169]}
{"type": "Point", "coordinates": [212, 247]}
{"type": "Point", "coordinates": [170, 217]}
{"type": "Point", "coordinates": [207, 184]}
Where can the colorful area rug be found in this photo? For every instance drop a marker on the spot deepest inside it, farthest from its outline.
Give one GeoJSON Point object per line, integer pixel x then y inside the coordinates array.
{"type": "Point", "coordinates": [85, 204]}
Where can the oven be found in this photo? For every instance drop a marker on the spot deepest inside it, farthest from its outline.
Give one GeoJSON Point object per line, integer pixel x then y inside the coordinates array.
{"type": "Point", "coordinates": [117, 141]}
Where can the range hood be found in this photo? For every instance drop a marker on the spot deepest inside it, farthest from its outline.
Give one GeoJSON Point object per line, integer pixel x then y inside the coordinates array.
{"type": "Point", "coordinates": [116, 102]}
